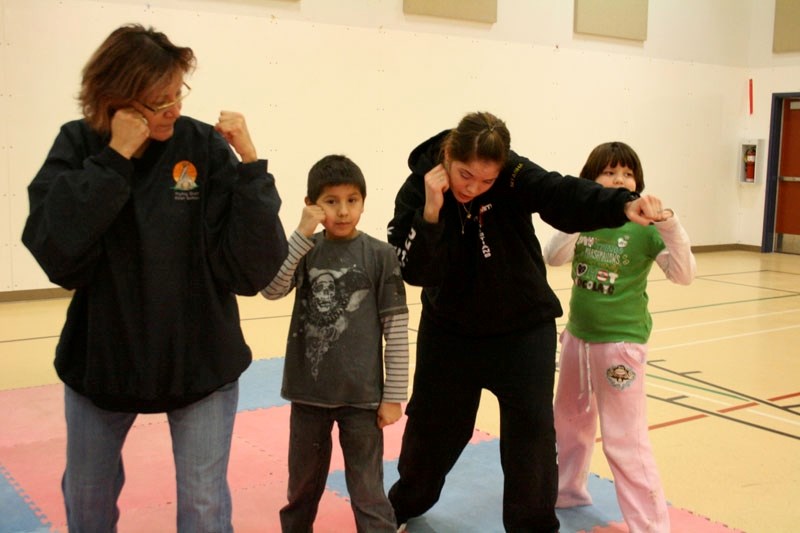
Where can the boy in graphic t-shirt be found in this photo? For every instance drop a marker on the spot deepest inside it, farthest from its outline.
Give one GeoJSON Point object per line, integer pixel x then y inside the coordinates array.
{"type": "Point", "coordinates": [350, 297]}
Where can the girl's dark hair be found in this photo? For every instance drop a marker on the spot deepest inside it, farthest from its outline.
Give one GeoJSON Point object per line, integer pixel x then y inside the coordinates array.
{"type": "Point", "coordinates": [131, 62]}
{"type": "Point", "coordinates": [613, 154]}
{"type": "Point", "coordinates": [334, 170]}
{"type": "Point", "coordinates": [479, 135]}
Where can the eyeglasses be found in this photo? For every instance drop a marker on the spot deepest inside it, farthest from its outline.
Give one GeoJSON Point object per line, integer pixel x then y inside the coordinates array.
{"type": "Point", "coordinates": [163, 107]}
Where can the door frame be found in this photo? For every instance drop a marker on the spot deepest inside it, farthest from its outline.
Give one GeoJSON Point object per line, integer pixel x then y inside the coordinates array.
{"type": "Point", "coordinates": [771, 191]}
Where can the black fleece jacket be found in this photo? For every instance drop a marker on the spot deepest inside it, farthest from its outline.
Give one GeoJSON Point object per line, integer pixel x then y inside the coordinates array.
{"type": "Point", "coordinates": [156, 250]}
{"type": "Point", "coordinates": [492, 279]}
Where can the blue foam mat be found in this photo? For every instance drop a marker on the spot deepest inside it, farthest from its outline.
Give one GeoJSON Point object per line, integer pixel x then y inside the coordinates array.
{"type": "Point", "coordinates": [472, 497]}
{"type": "Point", "coordinates": [260, 385]}
{"type": "Point", "coordinates": [16, 515]}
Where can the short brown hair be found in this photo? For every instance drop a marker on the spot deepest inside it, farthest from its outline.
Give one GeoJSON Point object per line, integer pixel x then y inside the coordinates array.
{"type": "Point", "coordinates": [131, 61]}
{"type": "Point", "coordinates": [613, 154]}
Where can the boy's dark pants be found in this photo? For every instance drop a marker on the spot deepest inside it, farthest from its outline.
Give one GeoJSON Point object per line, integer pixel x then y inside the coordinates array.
{"type": "Point", "coordinates": [310, 446]}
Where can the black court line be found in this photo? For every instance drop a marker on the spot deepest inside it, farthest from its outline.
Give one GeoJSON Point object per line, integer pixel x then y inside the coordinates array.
{"type": "Point", "coordinates": [720, 387]}
{"type": "Point", "coordinates": [726, 417]}
{"type": "Point", "coordinates": [711, 278]}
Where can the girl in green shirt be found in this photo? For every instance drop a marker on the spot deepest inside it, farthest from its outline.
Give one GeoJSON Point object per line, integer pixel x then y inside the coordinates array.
{"type": "Point", "coordinates": [604, 346]}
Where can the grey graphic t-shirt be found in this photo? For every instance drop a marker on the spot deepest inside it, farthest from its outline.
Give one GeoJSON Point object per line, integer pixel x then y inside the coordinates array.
{"type": "Point", "coordinates": [334, 354]}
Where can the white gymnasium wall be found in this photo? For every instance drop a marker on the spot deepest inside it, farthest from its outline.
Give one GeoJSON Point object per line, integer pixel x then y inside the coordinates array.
{"type": "Point", "coordinates": [358, 77]}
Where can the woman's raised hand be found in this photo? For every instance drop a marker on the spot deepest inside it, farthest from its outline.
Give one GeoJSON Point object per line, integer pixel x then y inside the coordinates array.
{"type": "Point", "coordinates": [437, 182]}
{"type": "Point", "coordinates": [129, 131]}
{"type": "Point", "coordinates": [233, 127]}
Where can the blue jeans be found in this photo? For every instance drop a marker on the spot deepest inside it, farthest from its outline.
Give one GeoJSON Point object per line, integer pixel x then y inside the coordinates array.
{"type": "Point", "coordinates": [201, 443]}
{"type": "Point", "coordinates": [310, 446]}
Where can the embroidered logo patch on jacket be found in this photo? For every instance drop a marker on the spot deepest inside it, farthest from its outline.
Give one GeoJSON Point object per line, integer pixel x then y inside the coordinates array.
{"type": "Point", "coordinates": [185, 175]}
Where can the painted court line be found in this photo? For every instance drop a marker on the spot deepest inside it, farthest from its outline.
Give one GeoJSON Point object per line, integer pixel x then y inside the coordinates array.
{"type": "Point", "coordinates": [728, 407]}
{"type": "Point", "coordinates": [718, 414]}
{"type": "Point", "coordinates": [720, 388]}
{"type": "Point", "coordinates": [713, 390]}
{"type": "Point", "coordinates": [724, 338]}
{"type": "Point", "coordinates": [725, 320]}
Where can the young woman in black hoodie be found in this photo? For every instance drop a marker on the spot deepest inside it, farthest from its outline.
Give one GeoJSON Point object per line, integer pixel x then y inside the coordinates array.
{"type": "Point", "coordinates": [463, 231]}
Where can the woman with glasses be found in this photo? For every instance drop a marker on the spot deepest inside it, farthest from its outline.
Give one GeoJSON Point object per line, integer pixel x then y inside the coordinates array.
{"type": "Point", "coordinates": [156, 225]}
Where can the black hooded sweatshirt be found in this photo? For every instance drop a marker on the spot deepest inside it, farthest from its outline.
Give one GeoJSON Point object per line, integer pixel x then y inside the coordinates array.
{"type": "Point", "coordinates": [492, 279]}
{"type": "Point", "coordinates": [156, 250]}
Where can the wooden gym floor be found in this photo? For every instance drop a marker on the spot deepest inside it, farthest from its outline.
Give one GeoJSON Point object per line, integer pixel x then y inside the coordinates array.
{"type": "Point", "coordinates": [724, 410]}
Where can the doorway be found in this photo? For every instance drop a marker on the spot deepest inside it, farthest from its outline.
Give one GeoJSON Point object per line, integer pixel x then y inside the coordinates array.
{"type": "Point", "coordinates": [782, 200]}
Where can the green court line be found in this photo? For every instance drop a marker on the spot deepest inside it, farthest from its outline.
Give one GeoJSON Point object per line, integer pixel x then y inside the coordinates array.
{"type": "Point", "coordinates": [691, 386]}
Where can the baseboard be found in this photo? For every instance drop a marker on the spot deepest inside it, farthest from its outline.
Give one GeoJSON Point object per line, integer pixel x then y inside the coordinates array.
{"type": "Point", "coordinates": [34, 294]}
{"type": "Point", "coordinates": [726, 248]}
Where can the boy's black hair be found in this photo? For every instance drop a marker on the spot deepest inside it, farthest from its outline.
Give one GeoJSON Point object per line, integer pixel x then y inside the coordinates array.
{"type": "Point", "coordinates": [334, 170]}
{"type": "Point", "coordinates": [613, 154]}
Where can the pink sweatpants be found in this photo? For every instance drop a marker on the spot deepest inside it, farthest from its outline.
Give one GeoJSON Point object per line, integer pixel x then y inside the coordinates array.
{"type": "Point", "coordinates": [607, 379]}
